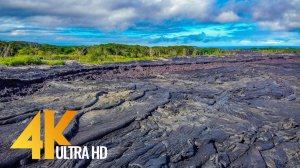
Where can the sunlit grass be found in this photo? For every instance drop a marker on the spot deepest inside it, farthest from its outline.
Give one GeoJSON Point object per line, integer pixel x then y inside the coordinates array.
{"type": "Point", "coordinates": [111, 59]}
{"type": "Point", "coordinates": [20, 60]}
{"type": "Point", "coordinates": [53, 62]}
{"type": "Point", "coordinates": [277, 50]}
{"type": "Point", "coordinates": [28, 60]}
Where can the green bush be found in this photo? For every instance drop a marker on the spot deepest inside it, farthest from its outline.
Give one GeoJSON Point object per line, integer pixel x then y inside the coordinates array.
{"type": "Point", "coordinates": [20, 60]}
{"type": "Point", "coordinates": [28, 60]}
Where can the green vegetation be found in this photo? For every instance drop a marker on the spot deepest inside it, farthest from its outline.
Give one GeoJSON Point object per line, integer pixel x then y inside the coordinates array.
{"type": "Point", "coordinates": [20, 60]}
{"type": "Point", "coordinates": [53, 62]}
{"type": "Point", "coordinates": [25, 53]}
{"type": "Point", "coordinates": [276, 50]}
{"type": "Point", "coordinates": [28, 60]}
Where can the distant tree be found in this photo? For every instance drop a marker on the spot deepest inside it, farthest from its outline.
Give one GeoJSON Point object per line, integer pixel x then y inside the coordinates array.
{"type": "Point", "coordinates": [195, 52]}
{"type": "Point", "coordinates": [35, 48]}
{"type": "Point", "coordinates": [184, 52]}
{"type": "Point", "coordinates": [151, 52]}
{"type": "Point", "coordinates": [7, 51]}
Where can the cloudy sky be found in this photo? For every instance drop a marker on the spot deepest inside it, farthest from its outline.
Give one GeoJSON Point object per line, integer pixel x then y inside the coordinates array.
{"type": "Point", "coordinates": [152, 22]}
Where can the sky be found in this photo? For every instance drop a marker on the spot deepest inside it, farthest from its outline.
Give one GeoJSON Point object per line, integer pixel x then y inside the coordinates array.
{"type": "Point", "coordinates": [206, 23]}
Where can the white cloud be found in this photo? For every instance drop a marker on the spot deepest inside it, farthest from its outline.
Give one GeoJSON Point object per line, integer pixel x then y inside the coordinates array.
{"type": "Point", "coordinates": [277, 14]}
{"type": "Point", "coordinates": [273, 42]}
{"type": "Point", "coordinates": [123, 14]}
{"type": "Point", "coordinates": [227, 16]}
{"type": "Point", "coordinates": [7, 24]}
{"type": "Point", "coordinates": [197, 9]}
{"type": "Point", "coordinates": [245, 42]}
{"type": "Point", "coordinates": [17, 33]}
{"type": "Point", "coordinates": [106, 14]}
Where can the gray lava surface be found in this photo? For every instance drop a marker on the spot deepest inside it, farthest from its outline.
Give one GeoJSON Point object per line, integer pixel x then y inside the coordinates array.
{"type": "Point", "coordinates": [241, 111]}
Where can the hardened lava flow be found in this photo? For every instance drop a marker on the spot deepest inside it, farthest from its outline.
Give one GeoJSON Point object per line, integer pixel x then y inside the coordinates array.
{"type": "Point", "coordinates": [239, 111]}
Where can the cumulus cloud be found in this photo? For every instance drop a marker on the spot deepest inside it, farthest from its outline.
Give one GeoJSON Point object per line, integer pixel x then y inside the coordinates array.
{"type": "Point", "coordinates": [227, 16]}
{"type": "Point", "coordinates": [123, 14]}
{"type": "Point", "coordinates": [277, 14]}
{"type": "Point", "coordinates": [150, 21]}
{"type": "Point", "coordinates": [105, 14]}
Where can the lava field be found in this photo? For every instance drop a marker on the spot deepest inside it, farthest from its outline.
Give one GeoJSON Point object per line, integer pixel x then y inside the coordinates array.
{"type": "Point", "coordinates": [237, 111]}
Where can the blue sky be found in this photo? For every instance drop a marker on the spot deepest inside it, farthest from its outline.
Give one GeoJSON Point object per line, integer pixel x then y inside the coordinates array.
{"type": "Point", "coordinates": [152, 22]}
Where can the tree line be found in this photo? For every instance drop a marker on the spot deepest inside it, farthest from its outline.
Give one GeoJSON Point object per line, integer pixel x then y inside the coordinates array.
{"type": "Point", "coordinates": [8, 49]}
{"type": "Point", "coordinates": [116, 52]}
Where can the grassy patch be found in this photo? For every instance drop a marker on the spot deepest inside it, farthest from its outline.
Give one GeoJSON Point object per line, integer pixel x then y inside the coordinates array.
{"type": "Point", "coordinates": [276, 50]}
{"type": "Point", "coordinates": [28, 60]}
{"type": "Point", "coordinates": [53, 62]}
{"type": "Point", "coordinates": [111, 59]}
{"type": "Point", "coordinates": [20, 60]}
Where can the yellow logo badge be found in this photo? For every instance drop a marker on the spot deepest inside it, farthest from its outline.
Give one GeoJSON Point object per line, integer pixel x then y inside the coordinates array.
{"type": "Point", "coordinates": [30, 138]}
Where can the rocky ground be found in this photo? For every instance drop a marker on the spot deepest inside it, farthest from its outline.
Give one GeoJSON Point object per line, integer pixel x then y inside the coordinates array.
{"type": "Point", "coordinates": [241, 111]}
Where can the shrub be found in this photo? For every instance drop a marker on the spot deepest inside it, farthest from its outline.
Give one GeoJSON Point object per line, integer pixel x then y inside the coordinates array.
{"type": "Point", "coordinates": [20, 60]}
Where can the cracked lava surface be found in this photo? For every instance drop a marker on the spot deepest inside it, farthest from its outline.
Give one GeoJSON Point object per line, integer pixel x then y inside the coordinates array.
{"type": "Point", "coordinates": [241, 111]}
